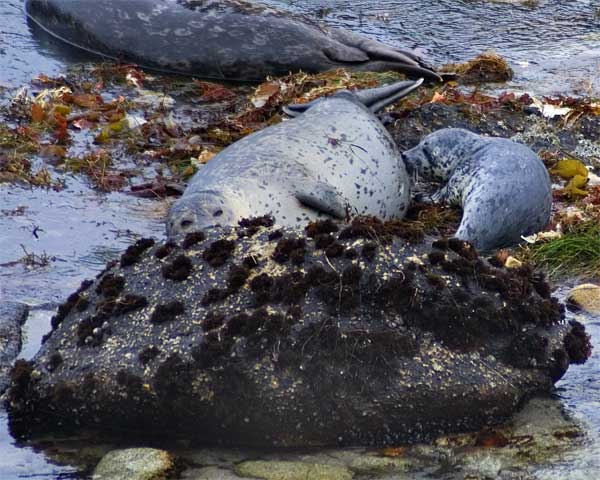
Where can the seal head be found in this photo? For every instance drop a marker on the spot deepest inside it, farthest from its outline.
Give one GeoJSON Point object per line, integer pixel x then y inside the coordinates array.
{"type": "Point", "coordinates": [204, 209]}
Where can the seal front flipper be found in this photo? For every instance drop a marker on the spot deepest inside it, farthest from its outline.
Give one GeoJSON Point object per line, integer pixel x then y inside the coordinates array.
{"type": "Point", "coordinates": [322, 197]}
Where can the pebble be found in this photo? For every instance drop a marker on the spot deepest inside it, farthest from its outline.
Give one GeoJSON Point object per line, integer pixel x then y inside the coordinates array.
{"type": "Point", "coordinates": [275, 470]}
{"type": "Point", "coordinates": [134, 464]}
{"type": "Point", "coordinates": [587, 297]}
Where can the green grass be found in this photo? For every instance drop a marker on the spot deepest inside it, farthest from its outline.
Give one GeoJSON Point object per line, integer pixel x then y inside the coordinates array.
{"type": "Point", "coordinates": [576, 253]}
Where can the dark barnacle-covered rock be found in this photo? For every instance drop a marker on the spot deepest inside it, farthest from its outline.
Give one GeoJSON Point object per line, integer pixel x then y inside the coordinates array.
{"type": "Point", "coordinates": [12, 317]}
{"type": "Point", "coordinates": [333, 334]}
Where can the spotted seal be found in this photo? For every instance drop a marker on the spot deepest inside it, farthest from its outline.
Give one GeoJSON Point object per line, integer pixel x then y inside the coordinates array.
{"type": "Point", "coordinates": [335, 158]}
{"type": "Point", "coordinates": [230, 39]}
{"type": "Point", "coordinates": [503, 187]}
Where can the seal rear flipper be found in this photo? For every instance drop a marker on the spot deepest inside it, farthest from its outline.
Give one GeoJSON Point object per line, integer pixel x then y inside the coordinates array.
{"type": "Point", "coordinates": [374, 99]}
{"type": "Point", "coordinates": [374, 49]}
{"type": "Point", "coordinates": [297, 109]}
{"type": "Point", "coordinates": [322, 197]}
{"type": "Point", "coordinates": [412, 71]}
{"type": "Point", "coordinates": [380, 57]}
{"type": "Point", "coordinates": [378, 98]}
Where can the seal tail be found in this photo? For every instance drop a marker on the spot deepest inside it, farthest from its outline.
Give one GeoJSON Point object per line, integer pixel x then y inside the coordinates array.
{"type": "Point", "coordinates": [376, 99]}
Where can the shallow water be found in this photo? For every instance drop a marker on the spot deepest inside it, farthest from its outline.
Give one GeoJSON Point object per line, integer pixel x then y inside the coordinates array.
{"type": "Point", "coordinates": [579, 393]}
{"type": "Point", "coordinates": [554, 47]}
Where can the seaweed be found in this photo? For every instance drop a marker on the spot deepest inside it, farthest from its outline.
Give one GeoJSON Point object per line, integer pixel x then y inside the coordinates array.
{"type": "Point", "coordinates": [134, 252]}
{"type": "Point", "coordinates": [192, 238]}
{"type": "Point", "coordinates": [369, 251]}
{"type": "Point", "coordinates": [179, 269]}
{"type": "Point", "coordinates": [290, 249]}
{"type": "Point", "coordinates": [130, 303]}
{"type": "Point", "coordinates": [577, 252]}
{"type": "Point", "coordinates": [320, 227]}
{"type": "Point", "coordinates": [111, 285]}
{"type": "Point", "coordinates": [578, 343]}
{"type": "Point", "coordinates": [165, 250]}
{"type": "Point", "coordinates": [214, 295]}
{"type": "Point", "coordinates": [167, 312]}
{"type": "Point", "coordinates": [251, 226]}
{"type": "Point", "coordinates": [218, 252]}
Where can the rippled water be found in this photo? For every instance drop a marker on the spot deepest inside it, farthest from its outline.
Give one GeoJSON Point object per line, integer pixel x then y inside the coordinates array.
{"type": "Point", "coordinates": [579, 392]}
{"type": "Point", "coordinates": [554, 47]}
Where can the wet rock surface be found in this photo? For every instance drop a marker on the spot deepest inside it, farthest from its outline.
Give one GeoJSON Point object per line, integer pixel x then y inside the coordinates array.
{"type": "Point", "coordinates": [502, 118]}
{"type": "Point", "coordinates": [275, 470]}
{"type": "Point", "coordinates": [274, 337]}
{"type": "Point", "coordinates": [12, 318]}
{"type": "Point", "coordinates": [586, 297]}
{"type": "Point", "coordinates": [135, 464]}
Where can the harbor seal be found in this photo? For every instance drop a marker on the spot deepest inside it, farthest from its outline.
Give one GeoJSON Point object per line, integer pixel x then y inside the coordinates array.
{"type": "Point", "coordinates": [231, 39]}
{"type": "Point", "coordinates": [503, 187]}
{"type": "Point", "coordinates": [335, 159]}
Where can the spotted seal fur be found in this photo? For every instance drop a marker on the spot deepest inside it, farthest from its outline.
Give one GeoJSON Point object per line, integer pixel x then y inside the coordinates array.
{"type": "Point", "coordinates": [502, 186]}
{"type": "Point", "coordinates": [225, 39]}
{"type": "Point", "coordinates": [335, 158]}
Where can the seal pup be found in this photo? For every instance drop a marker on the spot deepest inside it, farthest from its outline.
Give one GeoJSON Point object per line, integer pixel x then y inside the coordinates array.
{"type": "Point", "coordinates": [335, 158]}
{"type": "Point", "coordinates": [224, 39]}
{"type": "Point", "coordinates": [502, 186]}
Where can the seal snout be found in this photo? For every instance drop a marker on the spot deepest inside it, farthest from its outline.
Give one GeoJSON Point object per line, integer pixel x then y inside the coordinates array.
{"type": "Point", "coordinates": [182, 223]}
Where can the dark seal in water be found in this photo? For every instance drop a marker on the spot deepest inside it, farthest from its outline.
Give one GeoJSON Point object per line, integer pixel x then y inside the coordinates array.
{"type": "Point", "coordinates": [225, 39]}
{"type": "Point", "coordinates": [337, 334]}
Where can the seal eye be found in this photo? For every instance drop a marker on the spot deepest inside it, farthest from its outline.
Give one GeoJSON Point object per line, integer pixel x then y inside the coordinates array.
{"type": "Point", "coordinates": [218, 213]}
{"type": "Point", "coordinates": [186, 223]}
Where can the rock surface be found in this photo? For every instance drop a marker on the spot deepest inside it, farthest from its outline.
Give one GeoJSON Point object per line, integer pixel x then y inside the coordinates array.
{"type": "Point", "coordinates": [506, 119]}
{"type": "Point", "coordinates": [586, 297]}
{"type": "Point", "coordinates": [340, 334]}
{"type": "Point", "coordinates": [12, 318]}
{"type": "Point", "coordinates": [209, 473]}
{"type": "Point", "coordinates": [291, 471]}
{"type": "Point", "coordinates": [134, 464]}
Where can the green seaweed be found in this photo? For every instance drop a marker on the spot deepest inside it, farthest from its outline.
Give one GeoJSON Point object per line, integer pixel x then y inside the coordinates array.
{"type": "Point", "coordinates": [577, 252]}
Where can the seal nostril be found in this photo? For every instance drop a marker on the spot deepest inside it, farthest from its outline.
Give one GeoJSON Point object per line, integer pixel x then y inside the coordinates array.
{"type": "Point", "coordinates": [218, 213]}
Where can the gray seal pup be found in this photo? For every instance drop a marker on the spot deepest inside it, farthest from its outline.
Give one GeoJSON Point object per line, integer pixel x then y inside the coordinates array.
{"type": "Point", "coordinates": [224, 39]}
{"type": "Point", "coordinates": [502, 186]}
{"type": "Point", "coordinates": [335, 158]}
